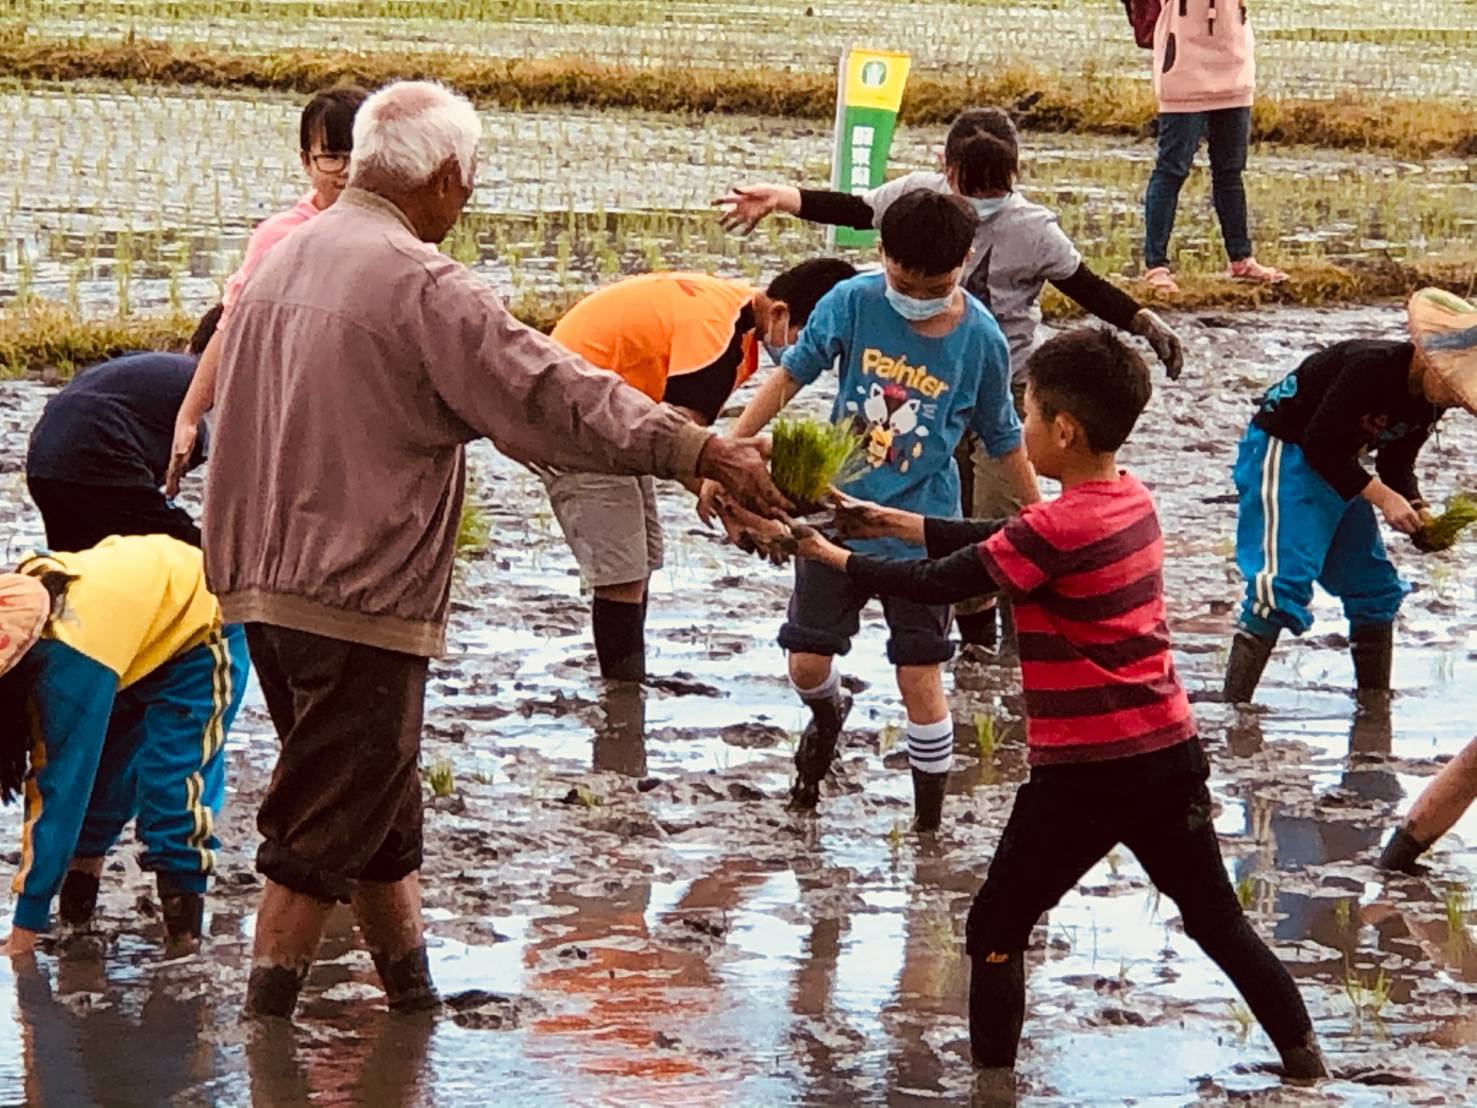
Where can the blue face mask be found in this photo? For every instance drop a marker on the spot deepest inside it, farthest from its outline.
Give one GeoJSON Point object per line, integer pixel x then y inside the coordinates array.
{"type": "Point", "coordinates": [914, 310]}
{"type": "Point", "coordinates": [986, 206]}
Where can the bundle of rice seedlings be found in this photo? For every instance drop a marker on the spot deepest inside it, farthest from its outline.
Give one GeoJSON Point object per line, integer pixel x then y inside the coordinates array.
{"type": "Point", "coordinates": [1442, 532]}
{"type": "Point", "coordinates": [808, 456]}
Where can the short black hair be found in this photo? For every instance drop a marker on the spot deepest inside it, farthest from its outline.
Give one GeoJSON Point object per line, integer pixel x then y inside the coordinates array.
{"type": "Point", "coordinates": [330, 116]}
{"type": "Point", "coordinates": [983, 150]}
{"type": "Point", "coordinates": [205, 330]}
{"type": "Point", "coordinates": [928, 232]}
{"type": "Point", "coordinates": [1096, 378]}
{"type": "Point", "coordinates": [801, 287]}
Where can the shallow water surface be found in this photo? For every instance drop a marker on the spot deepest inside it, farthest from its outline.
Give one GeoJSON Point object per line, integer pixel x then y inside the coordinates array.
{"type": "Point", "coordinates": [623, 912]}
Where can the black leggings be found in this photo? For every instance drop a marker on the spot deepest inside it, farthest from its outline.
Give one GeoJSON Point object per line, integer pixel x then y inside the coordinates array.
{"type": "Point", "coordinates": [1065, 820]}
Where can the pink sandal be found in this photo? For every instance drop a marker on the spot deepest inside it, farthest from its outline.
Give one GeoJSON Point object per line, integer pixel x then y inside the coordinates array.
{"type": "Point", "coordinates": [1161, 280]}
{"type": "Point", "coordinates": [1249, 269]}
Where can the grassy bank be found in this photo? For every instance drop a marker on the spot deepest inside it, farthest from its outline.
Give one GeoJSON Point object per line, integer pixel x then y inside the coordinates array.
{"type": "Point", "coordinates": [46, 339]}
{"type": "Point", "coordinates": [1047, 101]}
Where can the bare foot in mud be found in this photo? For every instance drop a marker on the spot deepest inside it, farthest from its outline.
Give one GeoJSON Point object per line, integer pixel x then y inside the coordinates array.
{"type": "Point", "coordinates": [993, 1088]}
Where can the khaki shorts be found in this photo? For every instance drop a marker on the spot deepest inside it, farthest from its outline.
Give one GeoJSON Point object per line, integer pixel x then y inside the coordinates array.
{"type": "Point", "coordinates": [610, 523]}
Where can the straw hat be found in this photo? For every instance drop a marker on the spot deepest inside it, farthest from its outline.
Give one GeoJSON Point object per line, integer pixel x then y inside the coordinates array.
{"type": "Point", "coordinates": [25, 606]}
{"type": "Point", "coordinates": [1444, 328]}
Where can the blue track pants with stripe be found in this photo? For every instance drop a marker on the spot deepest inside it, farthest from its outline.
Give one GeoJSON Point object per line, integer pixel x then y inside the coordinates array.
{"type": "Point", "coordinates": [103, 756]}
{"type": "Point", "coordinates": [1293, 530]}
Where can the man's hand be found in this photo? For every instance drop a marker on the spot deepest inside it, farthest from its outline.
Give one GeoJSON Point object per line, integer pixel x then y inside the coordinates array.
{"type": "Point", "coordinates": [751, 533]}
{"type": "Point", "coordinates": [1398, 512]}
{"type": "Point", "coordinates": [180, 453]}
{"type": "Point", "coordinates": [745, 205]}
{"type": "Point", "coordinates": [739, 466]}
{"type": "Point", "coordinates": [1162, 338]}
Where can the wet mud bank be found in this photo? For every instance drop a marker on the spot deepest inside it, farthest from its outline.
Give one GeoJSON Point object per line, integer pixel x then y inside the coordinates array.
{"type": "Point", "coordinates": [624, 912]}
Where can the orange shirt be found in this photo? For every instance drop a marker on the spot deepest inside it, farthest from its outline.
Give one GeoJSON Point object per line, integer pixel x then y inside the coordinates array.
{"type": "Point", "coordinates": [658, 325]}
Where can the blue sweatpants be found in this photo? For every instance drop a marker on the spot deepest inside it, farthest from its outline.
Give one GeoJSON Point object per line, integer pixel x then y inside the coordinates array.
{"type": "Point", "coordinates": [1293, 529]}
{"type": "Point", "coordinates": [103, 756]}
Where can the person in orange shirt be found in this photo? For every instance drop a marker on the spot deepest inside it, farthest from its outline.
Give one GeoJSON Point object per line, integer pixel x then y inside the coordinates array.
{"type": "Point", "coordinates": [689, 340]}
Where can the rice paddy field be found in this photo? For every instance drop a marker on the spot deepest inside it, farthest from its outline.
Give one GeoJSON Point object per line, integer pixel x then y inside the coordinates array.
{"type": "Point", "coordinates": [618, 904]}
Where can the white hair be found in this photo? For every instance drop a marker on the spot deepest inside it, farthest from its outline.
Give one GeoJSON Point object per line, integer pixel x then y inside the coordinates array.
{"type": "Point", "coordinates": [406, 130]}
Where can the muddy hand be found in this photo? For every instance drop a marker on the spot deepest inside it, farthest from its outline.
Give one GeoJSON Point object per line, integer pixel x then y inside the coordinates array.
{"type": "Point", "coordinates": [751, 533]}
{"type": "Point", "coordinates": [745, 205]}
{"type": "Point", "coordinates": [738, 465]}
{"type": "Point", "coordinates": [858, 519]}
{"type": "Point", "coordinates": [1162, 338]}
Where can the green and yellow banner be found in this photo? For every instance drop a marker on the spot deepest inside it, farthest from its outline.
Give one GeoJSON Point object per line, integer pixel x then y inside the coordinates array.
{"type": "Point", "coordinates": [869, 91]}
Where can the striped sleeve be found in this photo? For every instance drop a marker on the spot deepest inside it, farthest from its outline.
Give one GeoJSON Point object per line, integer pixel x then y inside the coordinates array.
{"type": "Point", "coordinates": [1018, 558]}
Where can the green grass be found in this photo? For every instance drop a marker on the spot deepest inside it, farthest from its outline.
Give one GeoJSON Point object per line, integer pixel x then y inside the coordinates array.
{"type": "Point", "coordinates": [984, 734]}
{"type": "Point", "coordinates": [473, 530]}
{"type": "Point", "coordinates": [441, 778]}
{"type": "Point", "coordinates": [810, 455]}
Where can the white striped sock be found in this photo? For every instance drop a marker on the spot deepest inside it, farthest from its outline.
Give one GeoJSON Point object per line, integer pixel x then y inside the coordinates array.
{"type": "Point", "coordinates": [824, 691]}
{"type": "Point", "coordinates": [931, 745]}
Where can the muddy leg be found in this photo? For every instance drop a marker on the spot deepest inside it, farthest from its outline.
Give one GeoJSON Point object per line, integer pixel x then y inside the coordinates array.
{"type": "Point", "coordinates": [389, 917]}
{"type": "Point", "coordinates": [288, 927]}
{"type": "Point", "coordinates": [1439, 806]}
{"type": "Point", "coordinates": [1372, 647]}
{"type": "Point", "coordinates": [79, 891]}
{"type": "Point", "coordinates": [1249, 656]}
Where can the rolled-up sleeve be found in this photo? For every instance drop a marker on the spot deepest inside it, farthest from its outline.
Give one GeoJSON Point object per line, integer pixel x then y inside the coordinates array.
{"type": "Point", "coordinates": [537, 402]}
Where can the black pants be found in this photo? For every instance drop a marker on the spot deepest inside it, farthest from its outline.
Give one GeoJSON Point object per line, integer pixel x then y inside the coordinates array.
{"type": "Point", "coordinates": [1065, 820]}
{"type": "Point", "coordinates": [78, 516]}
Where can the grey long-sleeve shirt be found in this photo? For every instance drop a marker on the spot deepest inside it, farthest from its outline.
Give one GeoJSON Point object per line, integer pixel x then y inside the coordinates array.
{"type": "Point", "coordinates": [358, 363]}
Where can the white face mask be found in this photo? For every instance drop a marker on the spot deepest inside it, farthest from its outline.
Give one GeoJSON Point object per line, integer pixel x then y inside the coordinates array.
{"type": "Point", "coordinates": [986, 206]}
{"type": "Point", "coordinates": [915, 310]}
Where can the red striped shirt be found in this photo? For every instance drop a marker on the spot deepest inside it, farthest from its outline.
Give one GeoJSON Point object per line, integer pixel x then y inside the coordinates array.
{"type": "Point", "coordinates": [1086, 573]}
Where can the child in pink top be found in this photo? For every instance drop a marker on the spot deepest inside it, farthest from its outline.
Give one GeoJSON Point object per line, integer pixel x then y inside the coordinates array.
{"type": "Point", "coordinates": [1205, 80]}
{"type": "Point", "coordinates": [325, 140]}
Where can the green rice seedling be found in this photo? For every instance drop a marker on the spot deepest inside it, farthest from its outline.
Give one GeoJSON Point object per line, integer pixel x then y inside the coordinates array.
{"type": "Point", "coordinates": [1246, 891]}
{"type": "Point", "coordinates": [1343, 914]}
{"type": "Point", "coordinates": [1241, 1016]}
{"type": "Point", "coordinates": [1457, 903]}
{"type": "Point", "coordinates": [441, 777]}
{"type": "Point", "coordinates": [984, 734]}
{"type": "Point", "coordinates": [887, 738]}
{"type": "Point", "coordinates": [473, 530]}
{"type": "Point", "coordinates": [586, 797]}
{"type": "Point", "coordinates": [894, 836]}
{"type": "Point", "coordinates": [808, 456]}
{"type": "Point", "coordinates": [1443, 531]}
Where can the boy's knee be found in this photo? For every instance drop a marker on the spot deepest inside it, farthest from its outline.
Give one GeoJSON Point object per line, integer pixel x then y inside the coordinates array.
{"type": "Point", "coordinates": [994, 926]}
{"type": "Point", "coordinates": [809, 671]}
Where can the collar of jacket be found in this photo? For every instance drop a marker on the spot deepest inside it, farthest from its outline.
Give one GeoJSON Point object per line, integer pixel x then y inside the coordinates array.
{"type": "Point", "coordinates": [374, 202]}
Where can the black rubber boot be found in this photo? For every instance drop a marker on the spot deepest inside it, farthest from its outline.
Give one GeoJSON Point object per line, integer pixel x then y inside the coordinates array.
{"type": "Point", "coordinates": [407, 981]}
{"type": "Point", "coordinates": [184, 915]}
{"type": "Point", "coordinates": [980, 628]}
{"type": "Point", "coordinates": [1249, 655]}
{"type": "Point", "coordinates": [620, 639]}
{"type": "Point", "coordinates": [272, 991]}
{"type": "Point", "coordinates": [928, 800]}
{"type": "Point", "coordinates": [1372, 645]}
{"type": "Point", "coordinates": [79, 898]}
{"type": "Point", "coordinates": [1304, 1062]}
{"type": "Point", "coordinates": [817, 749]}
{"type": "Point", "coordinates": [1401, 852]}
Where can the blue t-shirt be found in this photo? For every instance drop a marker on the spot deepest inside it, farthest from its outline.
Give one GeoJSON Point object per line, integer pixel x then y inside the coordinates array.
{"type": "Point", "coordinates": [911, 396]}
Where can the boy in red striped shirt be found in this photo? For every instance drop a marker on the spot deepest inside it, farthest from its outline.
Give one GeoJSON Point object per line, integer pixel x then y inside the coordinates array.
{"type": "Point", "coordinates": [1113, 747]}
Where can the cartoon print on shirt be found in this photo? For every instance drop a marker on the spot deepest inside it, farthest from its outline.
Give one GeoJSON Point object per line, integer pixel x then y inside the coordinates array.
{"type": "Point", "coordinates": [885, 415]}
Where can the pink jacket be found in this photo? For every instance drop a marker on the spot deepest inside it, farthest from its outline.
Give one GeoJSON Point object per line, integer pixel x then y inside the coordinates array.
{"type": "Point", "coordinates": [1204, 56]}
{"type": "Point", "coordinates": [268, 234]}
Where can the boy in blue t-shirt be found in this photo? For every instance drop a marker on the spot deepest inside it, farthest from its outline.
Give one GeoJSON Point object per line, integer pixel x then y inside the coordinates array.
{"type": "Point", "coordinates": [920, 361]}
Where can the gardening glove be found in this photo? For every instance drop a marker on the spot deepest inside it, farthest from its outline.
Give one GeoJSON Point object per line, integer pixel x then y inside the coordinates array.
{"type": "Point", "coordinates": [1147, 324]}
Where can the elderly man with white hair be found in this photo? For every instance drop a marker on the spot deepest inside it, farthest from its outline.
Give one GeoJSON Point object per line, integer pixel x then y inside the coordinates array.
{"type": "Point", "coordinates": [359, 361]}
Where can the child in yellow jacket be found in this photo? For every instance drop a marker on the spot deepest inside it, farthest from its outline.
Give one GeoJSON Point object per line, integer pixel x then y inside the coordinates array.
{"type": "Point", "coordinates": [118, 682]}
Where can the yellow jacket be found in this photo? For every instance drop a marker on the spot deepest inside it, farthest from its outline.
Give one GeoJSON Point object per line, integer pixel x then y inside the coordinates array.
{"type": "Point", "coordinates": [138, 601]}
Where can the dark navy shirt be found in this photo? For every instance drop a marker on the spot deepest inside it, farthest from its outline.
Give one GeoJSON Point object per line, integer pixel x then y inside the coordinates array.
{"type": "Point", "coordinates": [113, 424]}
{"type": "Point", "coordinates": [1349, 398]}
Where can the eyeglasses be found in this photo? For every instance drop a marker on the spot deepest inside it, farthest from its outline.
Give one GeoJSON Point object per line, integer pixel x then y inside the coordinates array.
{"type": "Point", "coordinates": [329, 163]}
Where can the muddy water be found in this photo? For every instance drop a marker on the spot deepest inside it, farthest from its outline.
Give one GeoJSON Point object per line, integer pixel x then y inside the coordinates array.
{"type": "Point", "coordinates": [625, 913]}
